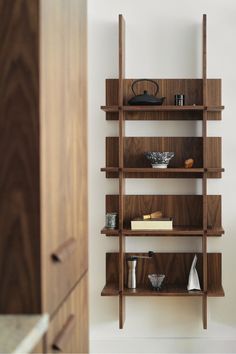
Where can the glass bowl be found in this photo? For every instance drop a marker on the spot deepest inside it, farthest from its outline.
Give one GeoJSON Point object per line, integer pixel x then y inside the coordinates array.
{"type": "Point", "coordinates": [159, 159]}
{"type": "Point", "coordinates": [156, 280]}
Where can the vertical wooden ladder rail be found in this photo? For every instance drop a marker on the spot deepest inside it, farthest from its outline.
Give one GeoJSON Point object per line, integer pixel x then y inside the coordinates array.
{"type": "Point", "coordinates": [121, 173]}
{"type": "Point", "coordinates": [204, 180]}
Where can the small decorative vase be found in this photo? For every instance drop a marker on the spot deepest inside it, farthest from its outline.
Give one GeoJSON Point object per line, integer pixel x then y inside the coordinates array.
{"type": "Point", "coordinates": [111, 220]}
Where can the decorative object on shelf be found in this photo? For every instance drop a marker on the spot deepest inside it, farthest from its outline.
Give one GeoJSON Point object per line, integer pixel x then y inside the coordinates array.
{"type": "Point", "coordinates": [145, 98]}
{"type": "Point", "coordinates": [156, 280]}
{"type": "Point", "coordinates": [179, 99]}
{"type": "Point", "coordinates": [188, 163]}
{"type": "Point", "coordinates": [152, 224]}
{"type": "Point", "coordinates": [193, 280]}
{"type": "Point", "coordinates": [132, 262]}
{"type": "Point", "coordinates": [155, 215]}
{"type": "Point", "coordinates": [111, 220]}
{"type": "Point", "coordinates": [159, 159]}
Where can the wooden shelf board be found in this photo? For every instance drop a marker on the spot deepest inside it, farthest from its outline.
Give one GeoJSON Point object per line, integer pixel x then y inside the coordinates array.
{"type": "Point", "coordinates": [161, 170]}
{"type": "Point", "coordinates": [215, 169]}
{"type": "Point", "coordinates": [161, 108]}
{"type": "Point", "coordinates": [216, 292]}
{"type": "Point", "coordinates": [177, 231]}
{"type": "Point", "coordinates": [110, 169]}
{"type": "Point", "coordinates": [170, 291]}
{"type": "Point", "coordinates": [112, 290]}
{"type": "Point", "coordinates": [110, 232]}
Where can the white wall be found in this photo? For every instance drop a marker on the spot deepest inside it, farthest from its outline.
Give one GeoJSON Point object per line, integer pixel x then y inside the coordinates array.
{"type": "Point", "coordinates": [163, 40]}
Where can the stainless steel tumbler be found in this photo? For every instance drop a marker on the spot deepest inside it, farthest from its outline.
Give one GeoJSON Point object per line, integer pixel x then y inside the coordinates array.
{"type": "Point", "coordinates": [132, 262]}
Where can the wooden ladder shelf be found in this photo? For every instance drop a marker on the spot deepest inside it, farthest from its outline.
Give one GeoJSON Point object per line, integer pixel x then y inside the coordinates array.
{"type": "Point", "coordinates": [194, 215]}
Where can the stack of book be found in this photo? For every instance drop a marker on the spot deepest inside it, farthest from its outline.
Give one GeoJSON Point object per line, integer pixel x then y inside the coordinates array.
{"type": "Point", "coordinates": [152, 224]}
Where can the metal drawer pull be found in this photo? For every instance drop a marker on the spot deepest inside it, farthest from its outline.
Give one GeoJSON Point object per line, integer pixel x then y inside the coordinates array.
{"type": "Point", "coordinates": [64, 250]}
{"type": "Point", "coordinates": [63, 336]}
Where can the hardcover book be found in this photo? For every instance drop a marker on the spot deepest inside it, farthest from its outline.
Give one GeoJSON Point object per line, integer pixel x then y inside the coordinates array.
{"type": "Point", "coordinates": [152, 224]}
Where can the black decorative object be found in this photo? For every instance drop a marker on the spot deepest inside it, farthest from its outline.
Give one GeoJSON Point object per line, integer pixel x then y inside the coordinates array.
{"type": "Point", "coordinates": [145, 98]}
{"type": "Point", "coordinates": [179, 99]}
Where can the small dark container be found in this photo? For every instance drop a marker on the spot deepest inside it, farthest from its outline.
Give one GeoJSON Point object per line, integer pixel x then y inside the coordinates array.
{"type": "Point", "coordinates": [179, 99]}
{"type": "Point", "coordinates": [111, 220]}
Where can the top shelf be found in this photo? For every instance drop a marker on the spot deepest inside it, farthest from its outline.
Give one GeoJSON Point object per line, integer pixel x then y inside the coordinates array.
{"type": "Point", "coordinates": [114, 109]}
{"type": "Point", "coordinates": [119, 93]}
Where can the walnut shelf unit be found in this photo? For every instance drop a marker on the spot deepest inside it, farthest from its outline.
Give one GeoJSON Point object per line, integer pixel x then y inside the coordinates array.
{"type": "Point", "coordinates": [193, 215]}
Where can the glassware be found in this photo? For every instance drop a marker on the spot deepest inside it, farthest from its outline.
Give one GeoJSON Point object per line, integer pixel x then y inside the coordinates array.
{"type": "Point", "coordinates": [156, 280]}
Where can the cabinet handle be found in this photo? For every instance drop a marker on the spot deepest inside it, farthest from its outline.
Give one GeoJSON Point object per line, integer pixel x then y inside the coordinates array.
{"type": "Point", "coordinates": [64, 250]}
{"type": "Point", "coordinates": [63, 336]}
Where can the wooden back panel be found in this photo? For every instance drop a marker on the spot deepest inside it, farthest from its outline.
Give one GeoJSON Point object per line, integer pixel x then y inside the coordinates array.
{"type": "Point", "coordinates": [19, 156]}
{"type": "Point", "coordinates": [186, 210]}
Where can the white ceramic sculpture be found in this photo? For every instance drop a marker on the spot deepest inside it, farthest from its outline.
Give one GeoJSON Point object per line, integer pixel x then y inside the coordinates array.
{"type": "Point", "coordinates": [193, 280]}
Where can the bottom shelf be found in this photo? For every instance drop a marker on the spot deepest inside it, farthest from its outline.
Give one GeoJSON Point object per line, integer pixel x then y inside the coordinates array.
{"type": "Point", "coordinates": [112, 290]}
{"type": "Point", "coordinates": [175, 266]}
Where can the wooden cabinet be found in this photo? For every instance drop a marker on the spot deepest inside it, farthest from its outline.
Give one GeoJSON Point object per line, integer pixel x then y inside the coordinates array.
{"type": "Point", "coordinates": [193, 215]}
{"type": "Point", "coordinates": [63, 147]}
{"type": "Point", "coordinates": [39, 348]}
{"type": "Point", "coordinates": [43, 140]}
{"type": "Point", "coordinates": [69, 322]}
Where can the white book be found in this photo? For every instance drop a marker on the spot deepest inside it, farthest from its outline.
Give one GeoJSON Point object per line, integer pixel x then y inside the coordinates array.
{"type": "Point", "coordinates": [152, 224]}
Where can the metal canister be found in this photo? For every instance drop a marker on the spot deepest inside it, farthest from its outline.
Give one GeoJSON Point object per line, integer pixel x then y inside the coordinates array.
{"type": "Point", "coordinates": [111, 220]}
{"type": "Point", "coordinates": [132, 262]}
{"type": "Point", "coordinates": [179, 99]}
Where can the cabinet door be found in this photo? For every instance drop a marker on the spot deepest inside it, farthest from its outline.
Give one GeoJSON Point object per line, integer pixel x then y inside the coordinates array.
{"type": "Point", "coordinates": [39, 348]}
{"type": "Point", "coordinates": [19, 156]}
{"type": "Point", "coordinates": [68, 331]}
{"type": "Point", "coordinates": [63, 147]}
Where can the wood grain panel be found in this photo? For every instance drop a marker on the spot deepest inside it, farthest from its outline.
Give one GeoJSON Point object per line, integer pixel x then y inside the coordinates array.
{"type": "Point", "coordinates": [19, 155]}
{"type": "Point", "coordinates": [213, 97]}
{"type": "Point", "coordinates": [192, 88]}
{"type": "Point", "coordinates": [186, 210]}
{"type": "Point", "coordinates": [39, 348]}
{"type": "Point", "coordinates": [183, 147]}
{"type": "Point", "coordinates": [63, 144]}
{"type": "Point", "coordinates": [76, 339]}
{"type": "Point", "coordinates": [121, 164]}
{"type": "Point", "coordinates": [213, 155]}
{"type": "Point", "coordinates": [175, 266]}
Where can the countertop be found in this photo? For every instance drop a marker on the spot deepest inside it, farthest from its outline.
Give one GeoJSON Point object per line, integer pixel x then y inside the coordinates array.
{"type": "Point", "coordinates": [21, 333]}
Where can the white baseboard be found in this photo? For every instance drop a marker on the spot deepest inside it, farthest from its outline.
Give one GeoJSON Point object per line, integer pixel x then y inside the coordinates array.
{"type": "Point", "coordinates": [162, 345]}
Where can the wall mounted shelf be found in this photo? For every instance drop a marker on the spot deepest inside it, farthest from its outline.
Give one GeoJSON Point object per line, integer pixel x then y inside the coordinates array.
{"type": "Point", "coordinates": [193, 215]}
